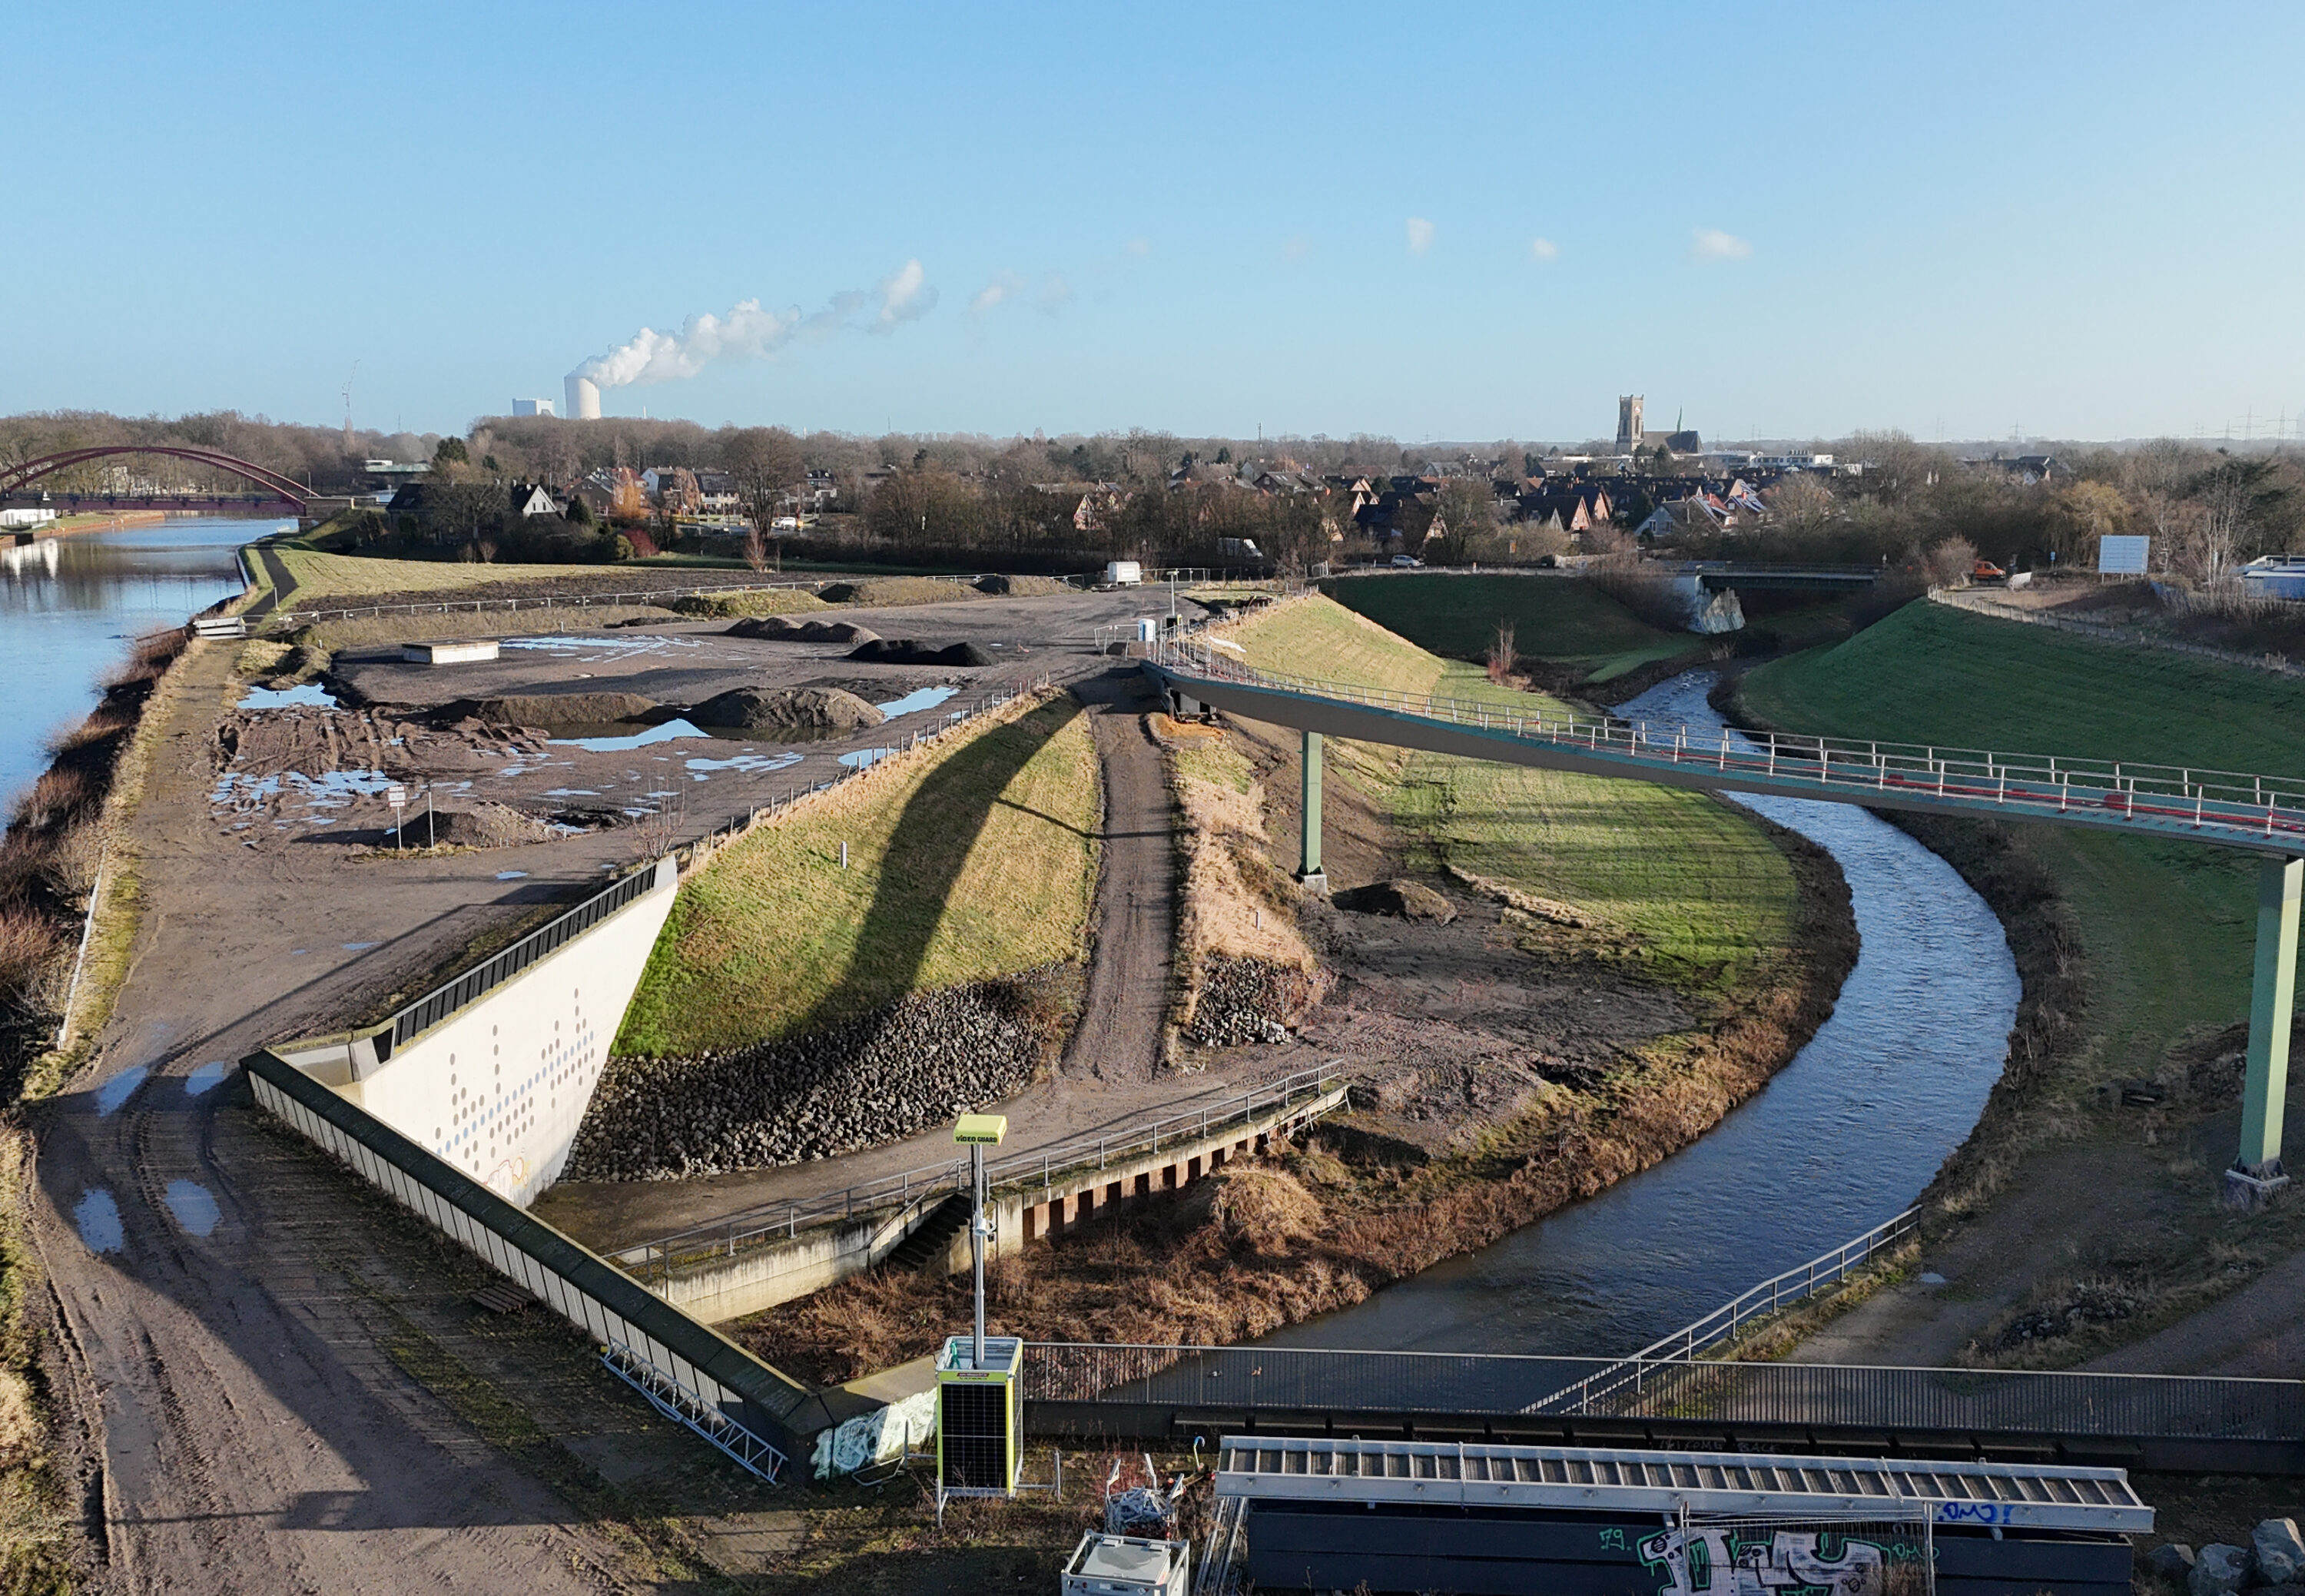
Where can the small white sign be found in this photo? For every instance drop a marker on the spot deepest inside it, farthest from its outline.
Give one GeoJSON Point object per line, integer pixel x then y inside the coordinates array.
{"type": "Point", "coordinates": [2123, 556]}
{"type": "Point", "coordinates": [397, 796]}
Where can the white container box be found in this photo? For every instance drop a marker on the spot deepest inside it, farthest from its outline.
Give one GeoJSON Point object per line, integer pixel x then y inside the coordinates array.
{"type": "Point", "coordinates": [1124, 573]}
{"type": "Point", "coordinates": [1125, 1566]}
{"type": "Point", "coordinates": [449, 653]}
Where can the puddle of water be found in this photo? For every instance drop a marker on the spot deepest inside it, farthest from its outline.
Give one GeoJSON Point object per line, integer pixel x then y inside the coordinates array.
{"type": "Point", "coordinates": [205, 1077]}
{"type": "Point", "coordinates": [570, 792]}
{"type": "Point", "coordinates": [361, 947]}
{"type": "Point", "coordinates": [512, 875]}
{"type": "Point", "coordinates": [863, 757]}
{"type": "Point", "coordinates": [1839, 1141]}
{"type": "Point", "coordinates": [755, 762]}
{"type": "Point", "coordinates": [332, 787]}
{"type": "Point", "coordinates": [667, 733]}
{"type": "Point", "coordinates": [117, 1091]}
{"type": "Point", "coordinates": [193, 1205]}
{"type": "Point", "coordinates": [311, 694]}
{"type": "Point", "coordinates": [918, 698]}
{"type": "Point", "coordinates": [99, 1219]}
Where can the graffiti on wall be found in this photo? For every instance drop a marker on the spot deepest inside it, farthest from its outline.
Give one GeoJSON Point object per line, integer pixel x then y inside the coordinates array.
{"type": "Point", "coordinates": [1715, 1560]}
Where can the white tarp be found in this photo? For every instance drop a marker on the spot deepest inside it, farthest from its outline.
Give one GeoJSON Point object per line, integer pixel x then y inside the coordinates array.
{"type": "Point", "coordinates": [2122, 556]}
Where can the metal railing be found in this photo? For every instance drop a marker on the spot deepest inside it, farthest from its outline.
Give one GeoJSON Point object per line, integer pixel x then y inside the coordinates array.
{"type": "Point", "coordinates": [1272, 1100]}
{"type": "Point", "coordinates": [495, 970]}
{"type": "Point", "coordinates": [2220, 805]}
{"type": "Point", "coordinates": [1776, 1293]}
{"type": "Point", "coordinates": [1271, 1380]}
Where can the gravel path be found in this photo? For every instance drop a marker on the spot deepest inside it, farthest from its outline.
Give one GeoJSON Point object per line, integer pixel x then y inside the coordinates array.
{"type": "Point", "coordinates": [1135, 935]}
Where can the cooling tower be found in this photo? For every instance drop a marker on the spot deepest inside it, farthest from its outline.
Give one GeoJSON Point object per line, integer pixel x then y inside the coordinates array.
{"type": "Point", "coordinates": [584, 399]}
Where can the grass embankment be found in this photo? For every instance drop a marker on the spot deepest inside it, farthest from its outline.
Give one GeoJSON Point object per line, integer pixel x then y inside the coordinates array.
{"type": "Point", "coordinates": [1558, 620]}
{"type": "Point", "coordinates": [970, 862]}
{"type": "Point", "coordinates": [1663, 884]}
{"type": "Point", "coordinates": [1750, 930]}
{"type": "Point", "coordinates": [2137, 953]}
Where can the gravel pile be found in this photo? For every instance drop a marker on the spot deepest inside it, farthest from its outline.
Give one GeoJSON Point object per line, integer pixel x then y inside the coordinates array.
{"type": "Point", "coordinates": [783, 628]}
{"type": "Point", "coordinates": [912, 650]}
{"type": "Point", "coordinates": [892, 1074]}
{"type": "Point", "coordinates": [1246, 1000]}
{"type": "Point", "coordinates": [783, 709]}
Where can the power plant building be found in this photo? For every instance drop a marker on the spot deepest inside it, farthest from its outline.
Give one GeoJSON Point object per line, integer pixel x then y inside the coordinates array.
{"type": "Point", "coordinates": [533, 407]}
{"type": "Point", "coordinates": [584, 398]}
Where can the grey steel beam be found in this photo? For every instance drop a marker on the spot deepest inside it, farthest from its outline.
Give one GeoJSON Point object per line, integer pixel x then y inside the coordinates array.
{"type": "Point", "coordinates": [2257, 1172]}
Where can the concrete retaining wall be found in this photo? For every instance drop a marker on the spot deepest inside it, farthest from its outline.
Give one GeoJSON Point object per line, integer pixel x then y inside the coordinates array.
{"type": "Point", "coordinates": [759, 1277]}
{"type": "Point", "coordinates": [497, 1089]}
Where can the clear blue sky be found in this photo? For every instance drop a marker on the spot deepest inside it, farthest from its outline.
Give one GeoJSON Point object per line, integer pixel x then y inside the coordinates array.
{"type": "Point", "coordinates": [2082, 219]}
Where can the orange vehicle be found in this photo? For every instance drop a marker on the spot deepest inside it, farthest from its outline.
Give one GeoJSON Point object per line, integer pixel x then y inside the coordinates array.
{"type": "Point", "coordinates": [1986, 571]}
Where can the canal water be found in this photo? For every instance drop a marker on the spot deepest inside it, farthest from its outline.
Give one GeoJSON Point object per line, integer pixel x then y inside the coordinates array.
{"type": "Point", "coordinates": [1841, 1138]}
{"type": "Point", "coordinates": [69, 606]}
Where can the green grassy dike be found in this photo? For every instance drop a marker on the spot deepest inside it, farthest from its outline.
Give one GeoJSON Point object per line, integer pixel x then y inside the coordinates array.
{"type": "Point", "coordinates": [2151, 977]}
{"type": "Point", "coordinates": [975, 859]}
{"type": "Point", "coordinates": [2169, 927]}
{"type": "Point", "coordinates": [1670, 886]}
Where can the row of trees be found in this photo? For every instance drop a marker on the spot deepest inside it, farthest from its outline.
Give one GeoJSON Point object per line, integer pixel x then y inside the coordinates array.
{"type": "Point", "coordinates": [2207, 509]}
{"type": "Point", "coordinates": [975, 499]}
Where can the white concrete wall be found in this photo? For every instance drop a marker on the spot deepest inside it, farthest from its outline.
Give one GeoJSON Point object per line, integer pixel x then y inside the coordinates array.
{"type": "Point", "coordinates": [498, 1089]}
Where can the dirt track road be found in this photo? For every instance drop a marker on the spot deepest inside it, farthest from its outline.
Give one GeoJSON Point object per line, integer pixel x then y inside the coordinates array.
{"type": "Point", "coordinates": [233, 1343]}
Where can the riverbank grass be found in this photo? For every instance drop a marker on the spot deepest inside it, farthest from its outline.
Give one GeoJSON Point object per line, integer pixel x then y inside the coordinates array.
{"type": "Point", "coordinates": [2158, 967]}
{"type": "Point", "coordinates": [972, 861]}
{"type": "Point", "coordinates": [1559, 619]}
{"type": "Point", "coordinates": [1665, 885]}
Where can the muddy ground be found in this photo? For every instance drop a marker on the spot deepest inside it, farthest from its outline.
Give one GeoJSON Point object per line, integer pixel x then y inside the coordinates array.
{"type": "Point", "coordinates": [1490, 1085]}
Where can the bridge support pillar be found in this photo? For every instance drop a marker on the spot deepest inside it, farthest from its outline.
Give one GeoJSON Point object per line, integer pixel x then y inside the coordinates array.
{"type": "Point", "coordinates": [1308, 851]}
{"type": "Point", "coordinates": [2257, 1172]}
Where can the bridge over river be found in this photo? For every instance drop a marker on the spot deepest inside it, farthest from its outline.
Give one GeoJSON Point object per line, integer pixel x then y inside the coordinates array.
{"type": "Point", "coordinates": [2260, 814]}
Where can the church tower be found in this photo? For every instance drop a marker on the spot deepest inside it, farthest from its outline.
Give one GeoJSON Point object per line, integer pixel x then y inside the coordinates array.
{"type": "Point", "coordinates": [1629, 423]}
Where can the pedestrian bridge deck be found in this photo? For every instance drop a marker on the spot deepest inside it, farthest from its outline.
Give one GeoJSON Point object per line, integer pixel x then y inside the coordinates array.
{"type": "Point", "coordinates": [2232, 810]}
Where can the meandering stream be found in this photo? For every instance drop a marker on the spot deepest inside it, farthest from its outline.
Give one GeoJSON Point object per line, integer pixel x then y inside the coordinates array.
{"type": "Point", "coordinates": [1843, 1138]}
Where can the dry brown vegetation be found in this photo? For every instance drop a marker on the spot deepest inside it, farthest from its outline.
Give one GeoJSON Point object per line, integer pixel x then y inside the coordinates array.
{"type": "Point", "coordinates": [1313, 1227]}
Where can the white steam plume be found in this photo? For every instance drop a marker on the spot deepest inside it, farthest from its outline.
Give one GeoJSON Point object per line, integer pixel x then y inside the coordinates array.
{"type": "Point", "coordinates": [748, 332]}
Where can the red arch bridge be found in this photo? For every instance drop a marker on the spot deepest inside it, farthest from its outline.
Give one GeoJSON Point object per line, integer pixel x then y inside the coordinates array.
{"type": "Point", "coordinates": [17, 479]}
{"type": "Point", "coordinates": [2261, 815]}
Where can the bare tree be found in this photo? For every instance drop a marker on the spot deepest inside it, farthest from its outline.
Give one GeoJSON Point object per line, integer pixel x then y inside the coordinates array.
{"type": "Point", "coordinates": [763, 462]}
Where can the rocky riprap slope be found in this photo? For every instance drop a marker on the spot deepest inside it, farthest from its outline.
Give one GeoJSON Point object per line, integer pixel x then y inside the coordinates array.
{"type": "Point", "coordinates": [1248, 1000]}
{"type": "Point", "coordinates": [858, 1084]}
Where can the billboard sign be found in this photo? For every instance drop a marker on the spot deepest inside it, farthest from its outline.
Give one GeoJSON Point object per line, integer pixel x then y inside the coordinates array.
{"type": "Point", "coordinates": [2122, 556]}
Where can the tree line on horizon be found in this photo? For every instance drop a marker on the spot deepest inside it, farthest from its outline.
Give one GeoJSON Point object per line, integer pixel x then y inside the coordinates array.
{"type": "Point", "coordinates": [975, 500]}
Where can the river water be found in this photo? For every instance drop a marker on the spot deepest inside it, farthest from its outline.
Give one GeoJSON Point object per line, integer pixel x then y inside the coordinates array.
{"type": "Point", "coordinates": [1841, 1138]}
{"type": "Point", "coordinates": [69, 605]}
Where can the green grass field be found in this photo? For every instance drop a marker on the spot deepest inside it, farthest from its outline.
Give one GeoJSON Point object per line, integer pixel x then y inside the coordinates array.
{"type": "Point", "coordinates": [973, 862]}
{"type": "Point", "coordinates": [353, 576]}
{"type": "Point", "coordinates": [1680, 887]}
{"type": "Point", "coordinates": [2168, 929]}
{"type": "Point", "coordinates": [1557, 619]}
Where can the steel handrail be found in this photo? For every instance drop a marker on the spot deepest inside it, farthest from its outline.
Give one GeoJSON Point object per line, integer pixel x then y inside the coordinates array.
{"type": "Point", "coordinates": [907, 1187]}
{"type": "Point", "coordinates": [1682, 1345]}
{"type": "Point", "coordinates": [2192, 796]}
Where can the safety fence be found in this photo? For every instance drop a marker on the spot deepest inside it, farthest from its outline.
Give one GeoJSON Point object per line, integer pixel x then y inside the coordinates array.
{"type": "Point", "coordinates": [1773, 1294]}
{"type": "Point", "coordinates": [2217, 806]}
{"type": "Point", "coordinates": [1274, 1381]}
{"type": "Point", "coordinates": [713, 1386]}
{"type": "Point", "coordinates": [1041, 1166]}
